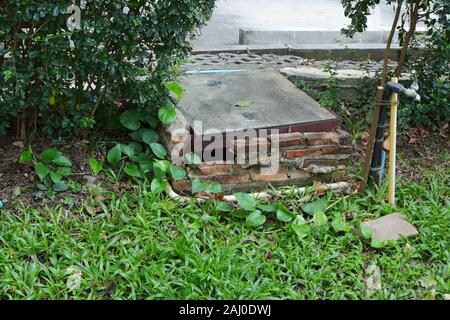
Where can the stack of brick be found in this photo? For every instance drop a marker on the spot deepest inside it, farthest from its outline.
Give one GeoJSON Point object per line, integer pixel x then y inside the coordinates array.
{"type": "Point", "coordinates": [299, 159]}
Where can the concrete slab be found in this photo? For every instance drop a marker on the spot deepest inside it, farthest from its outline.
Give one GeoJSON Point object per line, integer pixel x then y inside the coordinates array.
{"type": "Point", "coordinates": [211, 96]}
{"type": "Point", "coordinates": [391, 227]}
{"type": "Point", "coordinates": [356, 51]}
{"type": "Point", "coordinates": [264, 36]}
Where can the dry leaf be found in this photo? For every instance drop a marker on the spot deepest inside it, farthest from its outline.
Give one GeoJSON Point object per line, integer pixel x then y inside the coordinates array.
{"type": "Point", "coordinates": [412, 140]}
{"type": "Point", "coordinates": [244, 103]}
{"type": "Point", "coordinates": [74, 279]}
{"type": "Point", "coordinates": [373, 280]}
{"type": "Point", "coordinates": [100, 198]}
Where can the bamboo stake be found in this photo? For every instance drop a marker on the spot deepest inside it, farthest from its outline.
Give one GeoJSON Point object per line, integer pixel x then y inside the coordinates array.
{"type": "Point", "coordinates": [371, 142]}
{"type": "Point", "coordinates": [393, 145]}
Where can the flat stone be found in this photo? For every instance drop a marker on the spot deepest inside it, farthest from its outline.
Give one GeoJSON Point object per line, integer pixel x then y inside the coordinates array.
{"type": "Point", "coordinates": [350, 81]}
{"type": "Point", "coordinates": [89, 180]}
{"type": "Point", "coordinates": [391, 227]}
{"type": "Point", "coordinates": [276, 103]}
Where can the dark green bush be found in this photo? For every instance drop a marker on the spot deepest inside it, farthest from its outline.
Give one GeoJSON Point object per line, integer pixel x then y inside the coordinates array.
{"type": "Point", "coordinates": [433, 70]}
{"type": "Point", "coordinates": [118, 59]}
{"type": "Point", "coordinates": [432, 65]}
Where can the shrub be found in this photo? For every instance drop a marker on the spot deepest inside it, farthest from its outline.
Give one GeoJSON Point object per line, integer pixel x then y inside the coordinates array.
{"type": "Point", "coordinates": [433, 70]}
{"type": "Point", "coordinates": [432, 65]}
{"type": "Point", "coordinates": [63, 79]}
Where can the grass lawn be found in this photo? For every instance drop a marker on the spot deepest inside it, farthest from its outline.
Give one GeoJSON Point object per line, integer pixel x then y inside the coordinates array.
{"type": "Point", "coordinates": [144, 247]}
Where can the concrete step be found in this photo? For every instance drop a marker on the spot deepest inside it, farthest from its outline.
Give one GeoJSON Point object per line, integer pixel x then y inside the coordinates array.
{"type": "Point", "coordinates": [352, 51]}
{"type": "Point", "coordinates": [260, 36]}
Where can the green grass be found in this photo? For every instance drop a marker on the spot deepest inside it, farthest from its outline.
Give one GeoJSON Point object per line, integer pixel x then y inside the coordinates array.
{"type": "Point", "coordinates": [144, 247]}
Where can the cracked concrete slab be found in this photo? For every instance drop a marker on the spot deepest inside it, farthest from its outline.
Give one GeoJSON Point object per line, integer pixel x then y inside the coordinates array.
{"type": "Point", "coordinates": [211, 97]}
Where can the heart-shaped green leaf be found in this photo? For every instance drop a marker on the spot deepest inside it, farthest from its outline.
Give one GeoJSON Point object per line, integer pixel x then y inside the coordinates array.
{"type": "Point", "coordinates": [48, 155]}
{"type": "Point", "coordinates": [41, 170]}
{"type": "Point", "coordinates": [62, 161]}
{"type": "Point", "coordinates": [163, 165]}
{"type": "Point", "coordinates": [127, 150]}
{"type": "Point", "coordinates": [146, 166]}
{"type": "Point", "coordinates": [64, 171]}
{"type": "Point", "coordinates": [267, 207]}
{"type": "Point", "coordinates": [313, 207]}
{"type": "Point", "coordinates": [320, 219]}
{"type": "Point", "coordinates": [55, 177]}
{"type": "Point", "coordinates": [365, 231]}
{"type": "Point", "coordinates": [133, 171]}
{"type": "Point", "coordinates": [158, 150]}
{"type": "Point", "coordinates": [26, 156]}
{"type": "Point", "coordinates": [192, 158]}
{"type": "Point", "coordinates": [177, 173]}
{"type": "Point", "coordinates": [130, 119]}
{"type": "Point", "coordinates": [214, 187]}
{"type": "Point", "coordinates": [377, 244]}
{"type": "Point", "coordinates": [167, 115]}
{"type": "Point", "coordinates": [145, 135]}
{"type": "Point", "coordinates": [150, 119]}
{"type": "Point", "coordinates": [339, 225]}
{"type": "Point", "coordinates": [96, 166]}
{"type": "Point", "coordinates": [283, 214]}
{"type": "Point", "coordinates": [135, 147]}
{"type": "Point", "coordinates": [301, 230]}
{"type": "Point", "coordinates": [223, 207]}
{"type": "Point", "coordinates": [255, 219]}
{"type": "Point", "coordinates": [114, 155]}
{"type": "Point", "coordinates": [141, 157]}
{"type": "Point", "coordinates": [246, 201]}
{"type": "Point", "coordinates": [175, 88]}
{"type": "Point", "coordinates": [60, 187]}
{"type": "Point", "coordinates": [198, 186]}
{"type": "Point", "coordinates": [158, 185]}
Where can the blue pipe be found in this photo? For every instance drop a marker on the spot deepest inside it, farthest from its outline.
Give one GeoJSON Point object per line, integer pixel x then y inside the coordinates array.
{"type": "Point", "coordinates": [383, 163]}
{"type": "Point", "coordinates": [213, 71]}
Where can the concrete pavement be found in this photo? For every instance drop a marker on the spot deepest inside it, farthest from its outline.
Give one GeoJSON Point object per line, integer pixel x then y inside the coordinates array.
{"type": "Point", "coordinates": [282, 15]}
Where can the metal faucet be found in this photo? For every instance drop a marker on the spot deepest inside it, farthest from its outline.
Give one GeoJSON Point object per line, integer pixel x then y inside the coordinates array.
{"type": "Point", "coordinates": [411, 92]}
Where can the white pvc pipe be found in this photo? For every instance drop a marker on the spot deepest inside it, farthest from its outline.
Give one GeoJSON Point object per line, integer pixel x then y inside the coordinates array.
{"type": "Point", "coordinates": [339, 186]}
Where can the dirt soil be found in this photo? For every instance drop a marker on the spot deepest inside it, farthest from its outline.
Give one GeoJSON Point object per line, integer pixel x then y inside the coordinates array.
{"type": "Point", "coordinates": [18, 182]}
{"type": "Point", "coordinates": [419, 151]}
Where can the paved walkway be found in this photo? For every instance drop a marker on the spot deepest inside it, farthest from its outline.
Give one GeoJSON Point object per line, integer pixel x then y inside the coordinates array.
{"type": "Point", "coordinates": [292, 15]}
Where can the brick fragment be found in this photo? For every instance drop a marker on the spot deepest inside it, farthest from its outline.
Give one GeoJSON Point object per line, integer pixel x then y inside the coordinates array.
{"type": "Point", "coordinates": [182, 185]}
{"type": "Point", "coordinates": [229, 179]}
{"type": "Point", "coordinates": [318, 151]}
{"type": "Point", "coordinates": [290, 139]}
{"type": "Point", "coordinates": [210, 168]}
{"type": "Point", "coordinates": [321, 138]}
{"type": "Point", "coordinates": [270, 177]}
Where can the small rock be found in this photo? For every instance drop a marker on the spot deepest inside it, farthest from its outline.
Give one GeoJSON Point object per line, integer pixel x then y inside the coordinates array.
{"type": "Point", "coordinates": [89, 180]}
{"type": "Point", "coordinates": [390, 227]}
{"type": "Point", "coordinates": [18, 144]}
